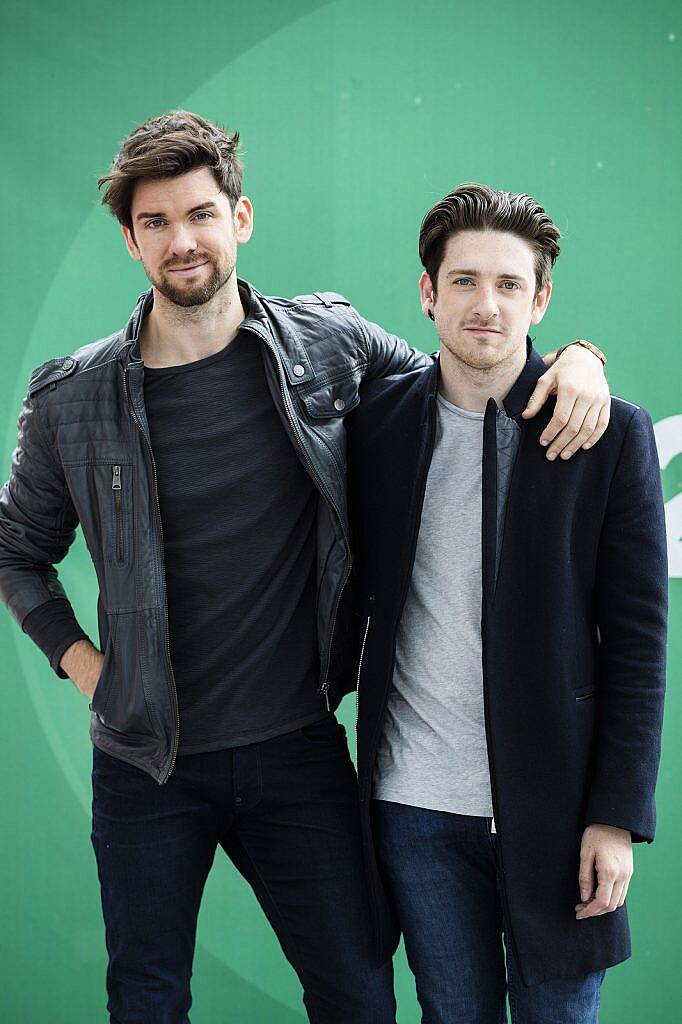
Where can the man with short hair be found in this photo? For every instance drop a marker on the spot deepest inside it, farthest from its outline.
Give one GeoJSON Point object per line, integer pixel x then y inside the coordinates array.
{"type": "Point", "coordinates": [510, 690]}
{"type": "Point", "coordinates": [202, 450]}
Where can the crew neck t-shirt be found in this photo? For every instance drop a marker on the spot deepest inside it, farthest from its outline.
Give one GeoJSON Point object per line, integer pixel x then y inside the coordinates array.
{"type": "Point", "coordinates": [238, 515]}
{"type": "Point", "coordinates": [433, 751]}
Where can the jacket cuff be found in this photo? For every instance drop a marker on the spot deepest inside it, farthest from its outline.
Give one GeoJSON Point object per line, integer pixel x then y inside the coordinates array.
{"type": "Point", "coordinates": [53, 627]}
{"type": "Point", "coordinates": [642, 831]}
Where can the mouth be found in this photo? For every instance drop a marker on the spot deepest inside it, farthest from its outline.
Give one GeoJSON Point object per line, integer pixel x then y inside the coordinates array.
{"type": "Point", "coordinates": [482, 330]}
{"type": "Point", "coordinates": [187, 270]}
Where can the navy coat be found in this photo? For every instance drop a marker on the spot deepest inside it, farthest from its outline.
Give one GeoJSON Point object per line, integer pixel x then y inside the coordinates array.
{"type": "Point", "coordinates": [573, 630]}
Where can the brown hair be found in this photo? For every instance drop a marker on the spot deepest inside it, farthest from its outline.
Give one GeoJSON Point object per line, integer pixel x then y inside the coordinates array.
{"type": "Point", "coordinates": [165, 147]}
{"type": "Point", "coordinates": [474, 207]}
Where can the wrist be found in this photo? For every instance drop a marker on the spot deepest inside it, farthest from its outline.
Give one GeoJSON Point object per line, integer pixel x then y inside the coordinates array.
{"type": "Point", "coordinates": [79, 658]}
{"type": "Point", "coordinates": [597, 352]}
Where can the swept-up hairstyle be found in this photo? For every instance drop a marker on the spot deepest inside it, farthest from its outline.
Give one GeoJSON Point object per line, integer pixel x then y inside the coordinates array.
{"type": "Point", "coordinates": [475, 207]}
{"type": "Point", "coordinates": [166, 147]}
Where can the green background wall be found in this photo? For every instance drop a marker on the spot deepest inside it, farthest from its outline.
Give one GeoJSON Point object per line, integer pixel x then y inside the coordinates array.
{"type": "Point", "coordinates": [355, 117]}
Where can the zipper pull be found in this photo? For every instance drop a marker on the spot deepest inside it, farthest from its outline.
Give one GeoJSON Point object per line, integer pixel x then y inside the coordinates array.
{"type": "Point", "coordinates": [116, 480]}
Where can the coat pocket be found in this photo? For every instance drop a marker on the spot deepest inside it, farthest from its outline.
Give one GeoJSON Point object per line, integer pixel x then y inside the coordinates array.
{"type": "Point", "coordinates": [102, 692]}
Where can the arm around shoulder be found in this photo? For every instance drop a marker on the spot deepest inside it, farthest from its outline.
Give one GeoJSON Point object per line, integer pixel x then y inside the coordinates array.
{"type": "Point", "coordinates": [388, 354]}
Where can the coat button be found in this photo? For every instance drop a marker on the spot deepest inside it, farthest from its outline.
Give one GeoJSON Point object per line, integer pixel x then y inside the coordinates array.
{"type": "Point", "coordinates": [299, 370]}
{"type": "Point", "coordinates": [67, 364]}
{"type": "Point", "coordinates": [339, 405]}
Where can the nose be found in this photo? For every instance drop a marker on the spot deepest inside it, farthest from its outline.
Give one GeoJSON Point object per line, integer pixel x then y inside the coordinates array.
{"type": "Point", "coordinates": [485, 306]}
{"type": "Point", "coordinates": [183, 240]}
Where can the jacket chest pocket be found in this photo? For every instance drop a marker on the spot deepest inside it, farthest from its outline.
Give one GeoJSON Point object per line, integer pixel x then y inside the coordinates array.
{"type": "Point", "coordinates": [324, 409]}
{"type": "Point", "coordinates": [102, 493]}
{"type": "Point", "coordinates": [121, 492]}
{"type": "Point", "coordinates": [331, 401]}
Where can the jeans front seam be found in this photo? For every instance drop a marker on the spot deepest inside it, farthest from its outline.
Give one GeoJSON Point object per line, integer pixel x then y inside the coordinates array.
{"type": "Point", "coordinates": [293, 947]}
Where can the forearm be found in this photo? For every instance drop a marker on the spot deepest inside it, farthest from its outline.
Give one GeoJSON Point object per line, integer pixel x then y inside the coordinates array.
{"type": "Point", "coordinates": [81, 661]}
{"type": "Point", "coordinates": [53, 627]}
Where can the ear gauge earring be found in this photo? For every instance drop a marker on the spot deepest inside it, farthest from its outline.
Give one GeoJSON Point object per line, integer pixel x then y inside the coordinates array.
{"type": "Point", "coordinates": [430, 315]}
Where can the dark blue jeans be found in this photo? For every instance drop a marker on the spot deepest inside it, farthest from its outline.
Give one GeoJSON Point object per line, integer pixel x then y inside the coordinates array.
{"type": "Point", "coordinates": [441, 871]}
{"type": "Point", "coordinates": [285, 811]}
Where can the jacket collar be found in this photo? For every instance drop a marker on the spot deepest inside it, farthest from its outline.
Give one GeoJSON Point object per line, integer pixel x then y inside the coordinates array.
{"type": "Point", "coordinates": [130, 341]}
{"type": "Point", "coordinates": [517, 396]}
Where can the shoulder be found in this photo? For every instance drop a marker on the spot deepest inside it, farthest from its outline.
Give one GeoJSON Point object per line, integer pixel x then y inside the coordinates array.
{"type": "Point", "coordinates": [634, 428]}
{"type": "Point", "coordinates": [82, 360]}
{"type": "Point", "coordinates": [322, 330]}
{"type": "Point", "coordinates": [316, 301]}
{"type": "Point", "coordinates": [401, 386]}
{"type": "Point", "coordinates": [385, 402]}
{"type": "Point", "coordinates": [625, 419]}
{"type": "Point", "coordinates": [316, 305]}
{"type": "Point", "coordinates": [630, 424]}
{"type": "Point", "coordinates": [314, 316]}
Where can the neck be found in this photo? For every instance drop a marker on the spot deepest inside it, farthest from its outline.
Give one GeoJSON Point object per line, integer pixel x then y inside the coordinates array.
{"type": "Point", "coordinates": [469, 388]}
{"type": "Point", "coordinates": [172, 335]}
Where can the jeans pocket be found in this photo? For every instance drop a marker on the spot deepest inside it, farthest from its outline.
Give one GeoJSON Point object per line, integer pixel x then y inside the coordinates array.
{"type": "Point", "coordinates": [325, 730]}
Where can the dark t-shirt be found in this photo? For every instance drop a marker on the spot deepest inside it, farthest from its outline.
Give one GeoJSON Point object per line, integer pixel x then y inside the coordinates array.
{"type": "Point", "coordinates": [238, 515]}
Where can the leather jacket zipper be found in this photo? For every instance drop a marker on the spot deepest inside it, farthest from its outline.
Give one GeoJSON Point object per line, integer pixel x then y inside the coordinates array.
{"type": "Point", "coordinates": [116, 488]}
{"type": "Point", "coordinates": [323, 688]}
{"type": "Point", "coordinates": [162, 574]}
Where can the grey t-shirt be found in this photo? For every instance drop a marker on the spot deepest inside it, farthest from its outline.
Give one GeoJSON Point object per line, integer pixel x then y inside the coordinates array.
{"type": "Point", "coordinates": [433, 750]}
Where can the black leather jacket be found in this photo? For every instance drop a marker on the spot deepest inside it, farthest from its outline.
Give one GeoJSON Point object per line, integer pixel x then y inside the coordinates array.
{"type": "Point", "coordinates": [84, 455]}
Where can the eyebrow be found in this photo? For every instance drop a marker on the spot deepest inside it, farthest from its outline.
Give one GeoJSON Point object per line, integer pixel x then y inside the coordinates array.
{"type": "Point", "coordinates": [475, 273]}
{"type": "Point", "coordinates": [147, 216]}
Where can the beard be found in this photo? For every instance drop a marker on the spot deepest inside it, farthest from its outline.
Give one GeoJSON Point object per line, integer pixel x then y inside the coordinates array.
{"type": "Point", "coordinates": [475, 355]}
{"type": "Point", "coordinates": [218, 274]}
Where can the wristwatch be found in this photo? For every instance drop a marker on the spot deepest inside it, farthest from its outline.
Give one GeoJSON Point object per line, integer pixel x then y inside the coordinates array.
{"type": "Point", "coordinates": [585, 344]}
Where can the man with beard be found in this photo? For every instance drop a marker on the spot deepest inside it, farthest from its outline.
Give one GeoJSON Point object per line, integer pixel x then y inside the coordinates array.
{"type": "Point", "coordinates": [202, 450]}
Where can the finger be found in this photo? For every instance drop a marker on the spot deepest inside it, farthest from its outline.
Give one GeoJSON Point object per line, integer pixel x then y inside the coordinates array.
{"type": "Point", "coordinates": [624, 893]}
{"type": "Point", "coordinates": [586, 877]}
{"type": "Point", "coordinates": [602, 898]}
{"type": "Point", "coordinates": [560, 417]}
{"type": "Point", "coordinates": [602, 424]}
{"type": "Point", "coordinates": [618, 895]}
{"type": "Point", "coordinates": [585, 433]}
{"type": "Point", "coordinates": [545, 387]}
{"type": "Point", "coordinates": [575, 421]}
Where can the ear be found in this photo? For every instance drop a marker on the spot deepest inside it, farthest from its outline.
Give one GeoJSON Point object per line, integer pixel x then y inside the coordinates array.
{"type": "Point", "coordinates": [131, 244]}
{"type": "Point", "coordinates": [540, 303]}
{"type": "Point", "coordinates": [243, 219]}
{"type": "Point", "coordinates": [428, 299]}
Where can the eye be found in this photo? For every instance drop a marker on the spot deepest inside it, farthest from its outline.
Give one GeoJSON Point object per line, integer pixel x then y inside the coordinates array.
{"type": "Point", "coordinates": [463, 281]}
{"type": "Point", "coordinates": [154, 223]}
{"type": "Point", "coordinates": [510, 286]}
{"type": "Point", "coordinates": [202, 213]}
